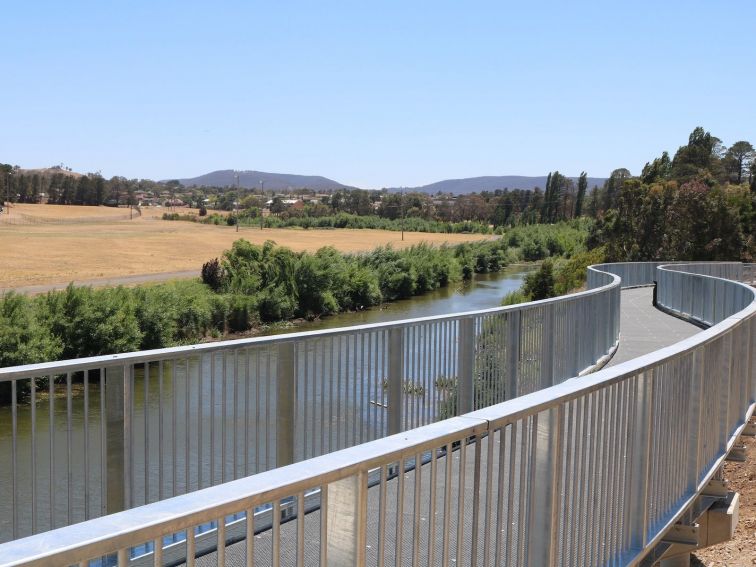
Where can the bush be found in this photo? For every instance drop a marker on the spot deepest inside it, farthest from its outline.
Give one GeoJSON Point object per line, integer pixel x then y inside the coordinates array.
{"type": "Point", "coordinates": [213, 275]}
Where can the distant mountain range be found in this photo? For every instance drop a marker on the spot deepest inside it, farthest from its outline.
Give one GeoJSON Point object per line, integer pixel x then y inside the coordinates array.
{"type": "Point", "coordinates": [489, 183]}
{"type": "Point", "coordinates": [272, 181]}
{"type": "Point", "coordinates": [286, 181]}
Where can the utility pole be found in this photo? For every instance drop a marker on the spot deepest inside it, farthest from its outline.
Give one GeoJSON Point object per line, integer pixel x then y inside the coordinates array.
{"type": "Point", "coordinates": [402, 205]}
{"type": "Point", "coordinates": [236, 202]}
{"type": "Point", "coordinates": [7, 190]}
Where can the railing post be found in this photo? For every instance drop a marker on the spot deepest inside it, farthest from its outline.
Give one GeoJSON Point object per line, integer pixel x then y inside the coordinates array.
{"type": "Point", "coordinates": [118, 400]}
{"type": "Point", "coordinates": [640, 459]}
{"type": "Point", "coordinates": [695, 422]}
{"type": "Point", "coordinates": [466, 366]}
{"type": "Point", "coordinates": [285, 403]}
{"type": "Point", "coordinates": [543, 530]}
{"type": "Point", "coordinates": [513, 355]}
{"type": "Point", "coordinates": [547, 347]}
{"type": "Point", "coordinates": [395, 380]}
{"type": "Point", "coordinates": [346, 519]}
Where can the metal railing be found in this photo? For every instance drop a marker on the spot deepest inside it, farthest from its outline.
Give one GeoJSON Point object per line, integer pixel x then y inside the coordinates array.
{"type": "Point", "coordinates": [88, 437]}
{"type": "Point", "coordinates": [592, 471]}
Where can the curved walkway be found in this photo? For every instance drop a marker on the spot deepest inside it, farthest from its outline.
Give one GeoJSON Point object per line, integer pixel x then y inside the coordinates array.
{"type": "Point", "coordinates": [644, 328]}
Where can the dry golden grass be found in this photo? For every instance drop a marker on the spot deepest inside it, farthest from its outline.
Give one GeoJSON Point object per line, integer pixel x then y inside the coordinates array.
{"type": "Point", "coordinates": [37, 254]}
{"type": "Point", "coordinates": [62, 212]}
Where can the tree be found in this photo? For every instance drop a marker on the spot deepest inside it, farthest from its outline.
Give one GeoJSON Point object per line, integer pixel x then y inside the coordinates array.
{"type": "Point", "coordinates": [701, 157]}
{"type": "Point", "coordinates": [540, 284]}
{"type": "Point", "coordinates": [741, 153]}
{"type": "Point", "coordinates": [657, 170]}
{"type": "Point", "coordinates": [582, 187]}
{"type": "Point", "coordinates": [613, 185]}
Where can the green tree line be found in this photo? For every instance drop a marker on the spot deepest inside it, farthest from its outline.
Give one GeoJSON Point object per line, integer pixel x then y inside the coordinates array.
{"type": "Point", "coordinates": [252, 285]}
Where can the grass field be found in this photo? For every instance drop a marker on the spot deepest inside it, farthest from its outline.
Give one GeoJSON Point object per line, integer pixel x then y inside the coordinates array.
{"type": "Point", "coordinates": [34, 254]}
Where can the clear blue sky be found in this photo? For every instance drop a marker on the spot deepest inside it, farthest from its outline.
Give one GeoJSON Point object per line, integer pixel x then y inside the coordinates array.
{"type": "Point", "coordinates": [372, 94]}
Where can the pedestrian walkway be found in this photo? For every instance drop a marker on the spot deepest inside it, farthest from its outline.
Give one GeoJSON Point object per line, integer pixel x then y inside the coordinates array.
{"type": "Point", "coordinates": [644, 328]}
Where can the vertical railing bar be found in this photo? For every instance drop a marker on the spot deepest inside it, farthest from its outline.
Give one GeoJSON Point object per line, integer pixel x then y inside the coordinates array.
{"type": "Point", "coordinates": [146, 432]}
{"type": "Point", "coordinates": [499, 501]}
{"type": "Point", "coordinates": [567, 515]}
{"type": "Point", "coordinates": [445, 559]}
{"type": "Point", "coordinates": [319, 346]}
{"type": "Point", "coordinates": [247, 390]}
{"type": "Point", "coordinates": [324, 525]}
{"type": "Point", "coordinates": [461, 500]}
{"type": "Point", "coordinates": [14, 465]}
{"type": "Point", "coordinates": [382, 515]}
{"type": "Point", "coordinates": [33, 387]}
{"type": "Point", "coordinates": [161, 427]}
{"type": "Point", "coordinates": [236, 415]}
{"type": "Point", "coordinates": [416, 510]}
{"type": "Point", "coordinates": [558, 443]}
{"type": "Point", "coordinates": [129, 398]}
{"type": "Point", "coordinates": [399, 544]}
{"type": "Point", "coordinates": [187, 426]}
{"type": "Point", "coordinates": [250, 536]}
{"type": "Point", "coordinates": [432, 508]}
{"type": "Point", "coordinates": [86, 446]}
{"type": "Point", "coordinates": [190, 542]}
{"type": "Point", "coordinates": [221, 545]}
{"type": "Point", "coordinates": [338, 392]}
{"type": "Point", "coordinates": [476, 502]}
{"type": "Point", "coordinates": [212, 419]}
{"type": "Point", "coordinates": [258, 411]}
{"type": "Point", "coordinates": [157, 545]}
{"type": "Point", "coordinates": [306, 430]}
{"type": "Point", "coordinates": [174, 488]}
{"type": "Point", "coordinates": [268, 404]}
{"type": "Point", "coordinates": [103, 445]}
{"type": "Point", "coordinates": [51, 407]}
{"type": "Point", "coordinates": [69, 443]}
{"type": "Point", "coordinates": [489, 499]}
{"type": "Point", "coordinates": [300, 529]}
{"type": "Point", "coordinates": [532, 476]}
{"type": "Point", "coordinates": [200, 419]}
{"type": "Point", "coordinates": [511, 493]}
{"type": "Point", "coordinates": [224, 414]}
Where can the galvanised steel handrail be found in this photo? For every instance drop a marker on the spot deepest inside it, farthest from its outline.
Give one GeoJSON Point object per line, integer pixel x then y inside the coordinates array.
{"type": "Point", "coordinates": [176, 420]}
{"type": "Point", "coordinates": [591, 471]}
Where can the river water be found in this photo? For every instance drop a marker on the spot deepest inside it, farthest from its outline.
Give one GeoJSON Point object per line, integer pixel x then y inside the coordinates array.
{"type": "Point", "coordinates": [485, 291]}
{"type": "Point", "coordinates": [75, 494]}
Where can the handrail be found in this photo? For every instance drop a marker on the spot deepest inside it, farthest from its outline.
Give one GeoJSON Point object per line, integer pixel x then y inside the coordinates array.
{"type": "Point", "coordinates": [98, 435]}
{"type": "Point", "coordinates": [591, 471]}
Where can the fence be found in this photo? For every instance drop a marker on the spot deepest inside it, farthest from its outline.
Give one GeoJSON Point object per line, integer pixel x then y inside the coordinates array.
{"type": "Point", "coordinates": [94, 436]}
{"type": "Point", "coordinates": [591, 471]}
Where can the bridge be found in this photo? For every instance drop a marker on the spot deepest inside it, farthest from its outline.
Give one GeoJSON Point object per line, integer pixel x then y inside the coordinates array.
{"type": "Point", "coordinates": [485, 438]}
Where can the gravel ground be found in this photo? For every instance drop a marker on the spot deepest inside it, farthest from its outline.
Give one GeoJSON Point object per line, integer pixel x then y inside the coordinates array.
{"type": "Point", "coordinates": [741, 550]}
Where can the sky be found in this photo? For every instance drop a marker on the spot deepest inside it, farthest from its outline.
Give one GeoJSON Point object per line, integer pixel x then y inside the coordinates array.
{"type": "Point", "coordinates": [372, 94]}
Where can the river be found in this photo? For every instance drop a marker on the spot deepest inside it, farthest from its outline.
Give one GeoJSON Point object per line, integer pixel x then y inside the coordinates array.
{"type": "Point", "coordinates": [74, 494]}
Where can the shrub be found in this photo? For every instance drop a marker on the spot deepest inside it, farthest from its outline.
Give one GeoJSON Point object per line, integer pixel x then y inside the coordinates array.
{"type": "Point", "coordinates": [214, 275]}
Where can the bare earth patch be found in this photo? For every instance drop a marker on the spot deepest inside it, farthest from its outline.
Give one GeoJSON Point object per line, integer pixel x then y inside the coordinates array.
{"type": "Point", "coordinates": [34, 254]}
{"type": "Point", "coordinates": [741, 550]}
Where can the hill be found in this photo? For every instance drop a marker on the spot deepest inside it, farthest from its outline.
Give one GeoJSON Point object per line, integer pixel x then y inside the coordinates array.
{"type": "Point", "coordinates": [490, 183]}
{"type": "Point", "coordinates": [50, 171]}
{"type": "Point", "coordinates": [273, 181]}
